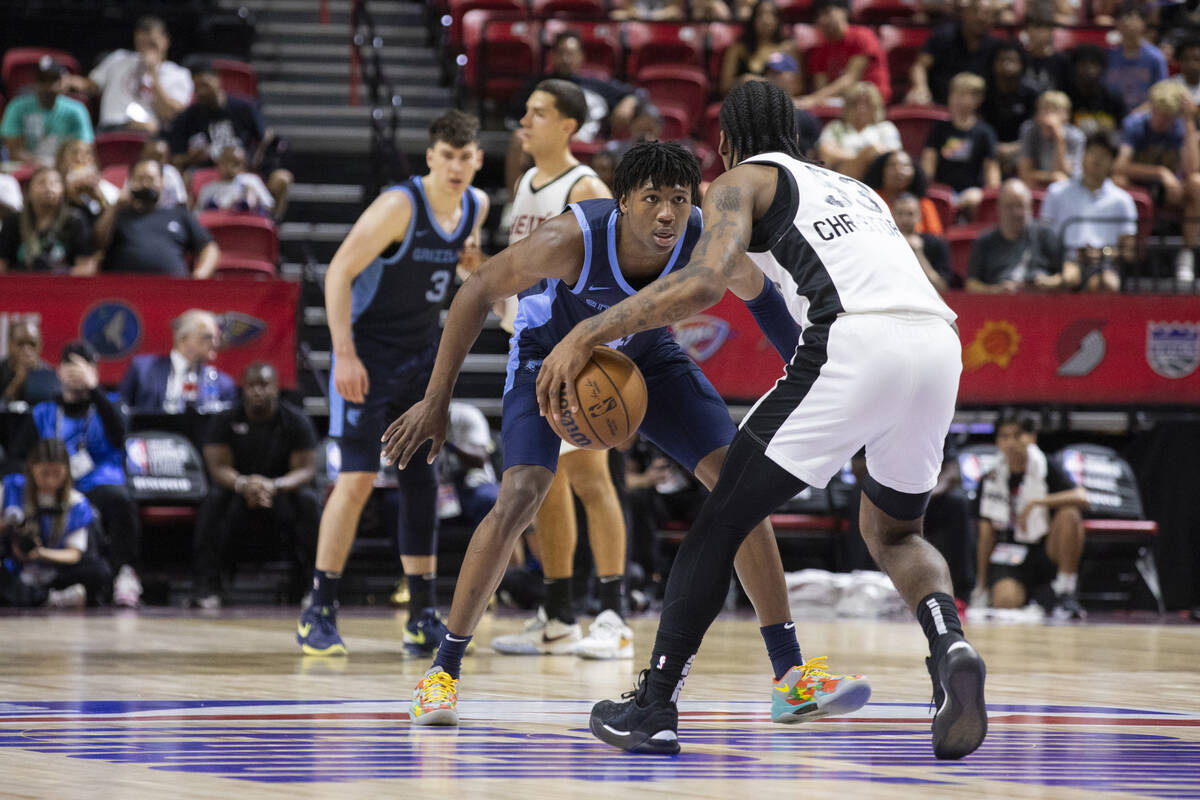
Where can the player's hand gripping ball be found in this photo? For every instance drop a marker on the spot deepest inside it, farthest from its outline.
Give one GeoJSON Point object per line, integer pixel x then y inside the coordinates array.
{"type": "Point", "coordinates": [612, 403]}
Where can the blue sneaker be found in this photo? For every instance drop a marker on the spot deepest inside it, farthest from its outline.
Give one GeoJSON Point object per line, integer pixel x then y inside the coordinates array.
{"type": "Point", "coordinates": [317, 632]}
{"type": "Point", "coordinates": [424, 632]}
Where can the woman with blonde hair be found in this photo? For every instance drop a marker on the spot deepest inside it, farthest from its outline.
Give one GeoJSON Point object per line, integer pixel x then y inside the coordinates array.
{"type": "Point", "coordinates": [851, 143]}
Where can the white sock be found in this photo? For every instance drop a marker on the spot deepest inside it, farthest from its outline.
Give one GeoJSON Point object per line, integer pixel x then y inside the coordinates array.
{"type": "Point", "coordinates": [1065, 583]}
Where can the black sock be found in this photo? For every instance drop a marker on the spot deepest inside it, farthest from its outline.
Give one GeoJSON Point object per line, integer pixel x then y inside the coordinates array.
{"type": "Point", "coordinates": [422, 593]}
{"type": "Point", "coordinates": [325, 586]}
{"type": "Point", "coordinates": [669, 665]}
{"type": "Point", "coordinates": [782, 647]}
{"type": "Point", "coordinates": [559, 605]}
{"type": "Point", "coordinates": [939, 619]}
{"type": "Point", "coordinates": [609, 593]}
{"type": "Point", "coordinates": [450, 653]}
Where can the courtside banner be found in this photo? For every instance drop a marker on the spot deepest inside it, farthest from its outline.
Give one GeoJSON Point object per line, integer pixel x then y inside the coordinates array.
{"type": "Point", "coordinates": [1023, 348]}
{"type": "Point", "coordinates": [124, 315]}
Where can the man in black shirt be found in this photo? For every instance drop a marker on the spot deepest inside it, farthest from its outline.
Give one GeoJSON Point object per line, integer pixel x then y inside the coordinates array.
{"type": "Point", "coordinates": [216, 120]}
{"type": "Point", "coordinates": [1095, 106]}
{"type": "Point", "coordinates": [964, 45]}
{"type": "Point", "coordinates": [141, 237]}
{"type": "Point", "coordinates": [261, 455]}
{"type": "Point", "coordinates": [1018, 253]}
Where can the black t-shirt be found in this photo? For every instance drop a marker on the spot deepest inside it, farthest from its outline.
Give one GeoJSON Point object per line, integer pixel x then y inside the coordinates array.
{"type": "Point", "coordinates": [1005, 111]}
{"type": "Point", "coordinates": [995, 259]}
{"type": "Point", "coordinates": [1044, 73]}
{"type": "Point", "coordinates": [58, 246]}
{"type": "Point", "coordinates": [237, 122]}
{"type": "Point", "coordinates": [938, 254]}
{"type": "Point", "coordinates": [155, 243]}
{"type": "Point", "coordinates": [961, 153]}
{"type": "Point", "coordinates": [1099, 108]}
{"type": "Point", "coordinates": [1056, 479]}
{"type": "Point", "coordinates": [263, 448]}
{"type": "Point", "coordinates": [951, 56]}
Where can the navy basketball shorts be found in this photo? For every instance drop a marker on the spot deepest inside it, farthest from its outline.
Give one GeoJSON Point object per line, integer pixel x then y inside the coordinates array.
{"type": "Point", "coordinates": [397, 380]}
{"type": "Point", "coordinates": [685, 417]}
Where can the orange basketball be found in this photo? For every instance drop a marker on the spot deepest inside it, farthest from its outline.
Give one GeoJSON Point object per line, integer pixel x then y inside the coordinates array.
{"type": "Point", "coordinates": [612, 402]}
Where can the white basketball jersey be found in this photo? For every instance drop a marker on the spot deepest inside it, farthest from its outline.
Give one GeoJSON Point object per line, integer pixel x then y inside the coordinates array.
{"type": "Point", "coordinates": [532, 207]}
{"type": "Point", "coordinates": [843, 253]}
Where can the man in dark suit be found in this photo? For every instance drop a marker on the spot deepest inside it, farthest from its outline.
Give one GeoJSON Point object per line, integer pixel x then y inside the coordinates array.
{"type": "Point", "coordinates": [182, 378]}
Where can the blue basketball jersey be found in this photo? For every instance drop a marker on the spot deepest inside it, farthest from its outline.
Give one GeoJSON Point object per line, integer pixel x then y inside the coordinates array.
{"type": "Point", "coordinates": [396, 300]}
{"type": "Point", "coordinates": [551, 309]}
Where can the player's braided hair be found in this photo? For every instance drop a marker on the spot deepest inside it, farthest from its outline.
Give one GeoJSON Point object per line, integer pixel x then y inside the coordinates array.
{"type": "Point", "coordinates": [662, 163]}
{"type": "Point", "coordinates": [758, 117]}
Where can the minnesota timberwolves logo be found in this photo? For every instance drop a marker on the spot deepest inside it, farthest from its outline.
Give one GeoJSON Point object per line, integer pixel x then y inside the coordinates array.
{"type": "Point", "coordinates": [239, 329]}
{"type": "Point", "coordinates": [112, 327]}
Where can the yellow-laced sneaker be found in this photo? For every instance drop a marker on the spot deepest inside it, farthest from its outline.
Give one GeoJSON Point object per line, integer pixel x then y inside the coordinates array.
{"type": "Point", "coordinates": [435, 699]}
{"type": "Point", "coordinates": [809, 692]}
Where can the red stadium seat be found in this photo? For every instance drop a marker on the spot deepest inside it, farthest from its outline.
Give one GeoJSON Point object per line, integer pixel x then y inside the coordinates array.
{"type": "Point", "coordinates": [806, 37]}
{"type": "Point", "coordinates": [248, 243]}
{"type": "Point", "coordinates": [1145, 211]}
{"type": "Point", "coordinates": [792, 11]}
{"type": "Point", "coordinates": [682, 86]}
{"type": "Point", "coordinates": [875, 12]}
{"type": "Point", "coordinates": [712, 125]}
{"type": "Point", "coordinates": [676, 122]}
{"type": "Point", "coordinates": [116, 174]}
{"type": "Point", "coordinates": [914, 123]}
{"type": "Point", "coordinates": [902, 45]}
{"type": "Point", "coordinates": [825, 114]}
{"type": "Point", "coordinates": [237, 77]}
{"type": "Point", "coordinates": [960, 238]}
{"type": "Point", "coordinates": [721, 36]}
{"type": "Point", "coordinates": [580, 9]}
{"type": "Point", "coordinates": [584, 151]}
{"type": "Point", "coordinates": [986, 212]}
{"type": "Point", "coordinates": [119, 147]}
{"type": "Point", "coordinates": [460, 8]}
{"type": "Point", "coordinates": [943, 200]}
{"type": "Point", "coordinates": [661, 43]}
{"type": "Point", "coordinates": [1066, 38]}
{"type": "Point", "coordinates": [19, 66]}
{"type": "Point", "coordinates": [601, 44]}
{"type": "Point", "coordinates": [201, 177]}
{"type": "Point", "coordinates": [501, 54]}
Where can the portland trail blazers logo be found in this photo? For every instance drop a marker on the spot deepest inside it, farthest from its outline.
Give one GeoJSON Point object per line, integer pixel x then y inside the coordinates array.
{"type": "Point", "coordinates": [1080, 348]}
{"type": "Point", "coordinates": [1173, 348]}
{"type": "Point", "coordinates": [701, 336]}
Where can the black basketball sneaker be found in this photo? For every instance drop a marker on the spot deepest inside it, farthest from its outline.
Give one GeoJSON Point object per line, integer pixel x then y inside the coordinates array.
{"type": "Point", "coordinates": [636, 726]}
{"type": "Point", "coordinates": [960, 722]}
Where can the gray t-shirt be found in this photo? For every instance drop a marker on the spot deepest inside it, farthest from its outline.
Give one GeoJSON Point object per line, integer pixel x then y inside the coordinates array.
{"type": "Point", "coordinates": [1040, 150]}
{"type": "Point", "coordinates": [995, 259]}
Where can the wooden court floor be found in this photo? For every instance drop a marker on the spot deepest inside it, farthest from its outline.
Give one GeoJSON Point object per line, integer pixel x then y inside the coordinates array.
{"type": "Point", "coordinates": [188, 705]}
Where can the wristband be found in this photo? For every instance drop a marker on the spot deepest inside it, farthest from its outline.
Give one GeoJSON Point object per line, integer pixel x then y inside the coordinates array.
{"type": "Point", "coordinates": [239, 484]}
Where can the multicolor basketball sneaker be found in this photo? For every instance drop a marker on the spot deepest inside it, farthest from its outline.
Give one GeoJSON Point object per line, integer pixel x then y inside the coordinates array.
{"type": "Point", "coordinates": [435, 700]}
{"type": "Point", "coordinates": [809, 692]}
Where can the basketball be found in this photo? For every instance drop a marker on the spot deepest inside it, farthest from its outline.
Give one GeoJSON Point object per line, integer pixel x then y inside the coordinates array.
{"type": "Point", "coordinates": [612, 402]}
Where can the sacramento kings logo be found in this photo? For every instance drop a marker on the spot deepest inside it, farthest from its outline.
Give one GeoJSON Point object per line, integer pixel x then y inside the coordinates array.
{"type": "Point", "coordinates": [1173, 348]}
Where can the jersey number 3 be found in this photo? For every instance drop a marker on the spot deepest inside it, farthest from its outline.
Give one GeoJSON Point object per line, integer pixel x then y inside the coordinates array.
{"type": "Point", "coordinates": [441, 282]}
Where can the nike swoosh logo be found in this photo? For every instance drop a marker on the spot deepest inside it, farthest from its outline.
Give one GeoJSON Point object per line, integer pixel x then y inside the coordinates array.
{"type": "Point", "coordinates": [418, 637]}
{"type": "Point", "coordinates": [599, 288]}
{"type": "Point", "coordinates": [789, 626]}
{"type": "Point", "coordinates": [956, 646]}
{"type": "Point", "coordinates": [548, 639]}
{"type": "Point", "coordinates": [304, 629]}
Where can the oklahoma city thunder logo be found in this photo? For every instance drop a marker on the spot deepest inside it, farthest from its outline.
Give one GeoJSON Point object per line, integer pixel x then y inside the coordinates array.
{"type": "Point", "coordinates": [113, 327]}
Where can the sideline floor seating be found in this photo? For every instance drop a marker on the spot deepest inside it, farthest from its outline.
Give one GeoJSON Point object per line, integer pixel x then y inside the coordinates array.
{"type": "Point", "coordinates": [165, 476]}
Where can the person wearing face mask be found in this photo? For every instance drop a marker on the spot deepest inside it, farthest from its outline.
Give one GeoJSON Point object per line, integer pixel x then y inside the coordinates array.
{"type": "Point", "coordinates": [183, 378]}
{"type": "Point", "coordinates": [141, 237]}
{"type": "Point", "coordinates": [92, 424]}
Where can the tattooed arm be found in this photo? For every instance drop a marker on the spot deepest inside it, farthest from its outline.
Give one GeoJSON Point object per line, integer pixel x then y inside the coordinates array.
{"type": "Point", "coordinates": [732, 204]}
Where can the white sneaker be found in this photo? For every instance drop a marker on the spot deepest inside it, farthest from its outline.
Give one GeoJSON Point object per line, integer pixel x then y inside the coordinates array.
{"type": "Point", "coordinates": [74, 596]}
{"type": "Point", "coordinates": [127, 589]}
{"type": "Point", "coordinates": [1185, 266]}
{"type": "Point", "coordinates": [608, 637]}
{"type": "Point", "coordinates": [540, 636]}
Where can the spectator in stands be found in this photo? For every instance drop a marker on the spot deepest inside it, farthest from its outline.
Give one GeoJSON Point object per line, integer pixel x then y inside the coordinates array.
{"type": "Point", "coordinates": [711, 11]}
{"type": "Point", "coordinates": [216, 120]}
{"type": "Point", "coordinates": [466, 462]}
{"type": "Point", "coordinates": [140, 89]}
{"type": "Point", "coordinates": [92, 425]}
{"type": "Point", "coordinates": [863, 133]}
{"type": "Point", "coordinates": [1160, 151]}
{"type": "Point", "coordinates": [1019, 253]}
{"type": "Point", "coordinates": [1046, 68]}
{"type": "Point", "coordinates": [961, 152]}
{"type": "Point", "coordinates": [1008, 102]}
{"type": "Point", "coordinates": [646, 126]}
{"type": "Point", "coordinates": [784, 71]}
{"type": "Point", "coordinates": [86, 189]}
{"type": "Point", "coordinates": [893, 174]}
{"type": "Point", "coordinates": [49, 235]}
{"type": "Point", "coordinates": [237, 189]}
{"type": "Point", "coordinates": [604, 164]}
{"type": "Point", "coordinates": [1030, 525]}
{"type": "Point", "coordinates": [1134, 65]}
{"type": "Point", "coordinates": [845, 55]}
{"type": "Point", "coordinates": [1096, 105]}
{"type": "Point", "coordinates": [36, 124]}
{"type": "Point", "coordinates": [174, 191]}
{"type": "Point", "coordinates": [1051, 147]}
{"type": "Point", "coordinates": [1187, 55]}
{"type": "Point", "coordinates": [1095, 219]}
{"type": "Point", "coordinates": [141, 237]}
{"type": "Point", "coordinates": [262, 457]}
{"type": "Point", "coordinates": [931, 250]}
{"type": "Point", "coordinates": [47, 557]}
{"type": "Point", "coordinates": [25, 377]}
{"type": "Point", "coordinates": [183, 378]}
{"type": "Point", "coordinates": [650, 10]}
{"type": "Point", "coordinates": [762, 35]}
{"type": "Point", "coordinates": [963, 45]}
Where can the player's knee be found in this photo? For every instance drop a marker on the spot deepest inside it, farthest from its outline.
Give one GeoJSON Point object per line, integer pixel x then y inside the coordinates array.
{"type": "Point", "coordinates": [518, 502]}
{"type": "Point", "coordinates": [355, 486]}
{"type": "Point", "coordinates": [1008, 593]}
{"type": "Point", "coordinates": [1069, 518]}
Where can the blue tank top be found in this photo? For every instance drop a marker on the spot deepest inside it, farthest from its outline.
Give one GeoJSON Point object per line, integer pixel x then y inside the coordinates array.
{"type": "Point", "coordinates": [84, 433]}
{"type": "Point", "coordinates": [549, 310]}
{"type": "Point", "coordinates": [396, 300]}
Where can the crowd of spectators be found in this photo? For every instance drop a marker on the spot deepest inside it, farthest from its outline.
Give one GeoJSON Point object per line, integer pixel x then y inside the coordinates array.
{"type": "Point", "coordinates": [205, 150]}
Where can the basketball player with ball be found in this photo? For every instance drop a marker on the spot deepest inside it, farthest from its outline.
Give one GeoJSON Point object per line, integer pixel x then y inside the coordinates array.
{"type": "Point", "coordinates": [588, 258]}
